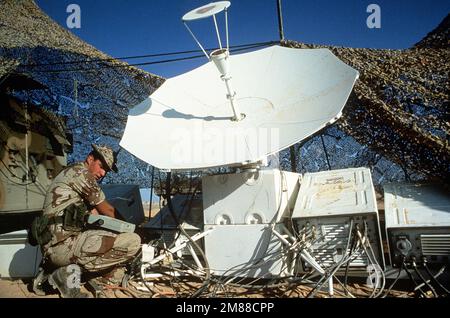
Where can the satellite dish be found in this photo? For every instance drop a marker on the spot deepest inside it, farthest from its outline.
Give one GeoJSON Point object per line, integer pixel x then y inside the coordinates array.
{"type": "Point", "coordinates": [286, 94]}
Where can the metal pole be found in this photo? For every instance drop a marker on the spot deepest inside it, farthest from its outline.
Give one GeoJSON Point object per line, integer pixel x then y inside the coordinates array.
{"type": "Point", "coordinates": [75, 107]}
{"type": "Point", "coordinates": [226, 28]}
{"type": "Point", "coordinates": [281, 33]}
{"type": "Point", "coordinates": [293, 159]}
{"type": "Point", "coordinates": [217, 31]}
{"type": "Point", "coordinates": [280, 20]}
{"type": "Point", "coordinates": [26, 155]}
{"type": "Point", "coordinates": [198, 43]}
{"type": "Point", "coordinates": [151, 193]}
{"type": "Point", "coordinates": [326, 153]}
{"type": "Point", "coordinates": [231, 94]}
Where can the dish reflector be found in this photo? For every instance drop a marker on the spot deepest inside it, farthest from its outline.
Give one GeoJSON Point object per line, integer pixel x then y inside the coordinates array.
{"type": "Point", "coordinates": [206, 11]}
{"type": "Point", "coordinates": [285, 95]}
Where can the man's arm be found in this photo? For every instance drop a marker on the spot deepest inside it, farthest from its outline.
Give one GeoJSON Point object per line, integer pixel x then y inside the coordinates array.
{"type": "Point", "coordinates": [106, 208]}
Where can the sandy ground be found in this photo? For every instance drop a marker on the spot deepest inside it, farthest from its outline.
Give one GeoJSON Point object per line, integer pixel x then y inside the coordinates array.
{"type": "Point", "coordinates": [19, 289]}
{"type": "Point", "coordinates": [163, 288]}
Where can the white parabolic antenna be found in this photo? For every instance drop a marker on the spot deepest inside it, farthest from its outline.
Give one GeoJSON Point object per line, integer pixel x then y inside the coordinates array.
{"type": "Point", "coordinates": [286, 95]}
{"type": "Point", "coordinates": [283, 94]}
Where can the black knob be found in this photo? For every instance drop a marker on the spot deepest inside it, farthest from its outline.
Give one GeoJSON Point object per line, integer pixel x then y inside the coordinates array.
{"type": "Point", "coordinates": [402, 245]}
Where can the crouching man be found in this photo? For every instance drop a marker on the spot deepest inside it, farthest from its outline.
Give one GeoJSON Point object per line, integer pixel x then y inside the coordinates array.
{"type": "Point", "coordinates": [68, 247]}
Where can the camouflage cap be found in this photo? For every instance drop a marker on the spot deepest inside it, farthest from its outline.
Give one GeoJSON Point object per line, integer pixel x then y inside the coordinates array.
{"type": "Point", "coordinates": [107, 156]}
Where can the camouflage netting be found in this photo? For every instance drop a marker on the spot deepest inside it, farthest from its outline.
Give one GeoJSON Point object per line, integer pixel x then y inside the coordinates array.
{"type": "Point", "coordinates": [399, 107]}
{"type": "Point", "coordinates": [106, 89]}
{"type": "Point", "coordinates": [7, 66]}
{"type": "Point", "coordinates": [395, 122]}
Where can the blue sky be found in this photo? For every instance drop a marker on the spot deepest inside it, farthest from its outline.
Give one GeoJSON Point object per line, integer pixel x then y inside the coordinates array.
{"type": "Point", "coordinates": [139, 27]}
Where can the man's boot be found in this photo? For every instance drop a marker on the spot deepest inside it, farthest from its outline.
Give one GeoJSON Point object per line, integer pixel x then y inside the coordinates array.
{"type": "Point", "coordinates": [114, 276]}
{"type": "Point", "coordinates": [39, 281]}
{"type": "Point", "coordinates": [67, 280]}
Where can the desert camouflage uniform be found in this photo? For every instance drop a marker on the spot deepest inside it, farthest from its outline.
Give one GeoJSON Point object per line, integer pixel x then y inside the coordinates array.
{"type": "Point", "coordinates": [92, 249]}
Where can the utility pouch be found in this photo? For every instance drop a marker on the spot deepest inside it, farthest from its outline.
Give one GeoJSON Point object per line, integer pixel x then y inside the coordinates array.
{"type": "Point", "coordinates": [74, 218]}
{"type": "Point", "coordinates": [40, 234]}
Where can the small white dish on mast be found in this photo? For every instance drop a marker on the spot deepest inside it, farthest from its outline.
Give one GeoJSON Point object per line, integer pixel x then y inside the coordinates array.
{"type": "Point", "coordinates": [219, 56]}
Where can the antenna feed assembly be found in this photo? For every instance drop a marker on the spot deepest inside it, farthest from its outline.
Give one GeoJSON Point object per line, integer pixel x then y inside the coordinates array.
{"type": "Point", "coordinates": [221, 55]}
{"type": "Point", "coordinates": [220, 59]}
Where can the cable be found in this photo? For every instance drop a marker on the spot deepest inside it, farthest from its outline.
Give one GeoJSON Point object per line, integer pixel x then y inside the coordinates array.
{"type": "Point", "coordinates": [326, 277]}
{"type": "Point", "coordinates": [138, 64]}
{"type": "Point", "coordinates": [245, 269]}
{"type": "Point", "coordinates": [423, 278]}
{"type": "Point", "coordinates": [143, 279]}
{"type": "Point", "coordinates": [169, 203]}
{"type": "Point", "coordinates": [346, 291]}
{"type": "Point", "coordinates": [396, 279]}
{"type": "Point", "coordinates": [374, 261]}
{"type": "Point", "coordinates": [348, 264]}
{"type": "Point", "coordinates": [141, 56]}
{"type": "Point", "coordinates": [7, 167]}
{"type": "Point", "coordinates": [34, 178]}
{"type": "Point", "coordinates": [241, 269]}
{"type": "Point", "coordinates": [432, 276]}
{"type": "Point", "coordinates": [116, 66]}
{"type": "Point", "coordinates": [363, 239]}
{"type": "Point", "coordinates": [232, 273]}
{"type": "Point", "coordinates": [326, 152]}
{"type": "Point", "coordinates": [405, 266]}
{"type": "Point", "coordinates": [183, 213]}
{"type": "Point", "coordinates": [12, 181]}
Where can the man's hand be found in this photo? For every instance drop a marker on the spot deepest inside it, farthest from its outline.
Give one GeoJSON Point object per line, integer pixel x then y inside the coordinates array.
{"type": "Point", "coordinates": [105, 208]}
{"type": "Point", "coordinates": [94, 211]}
